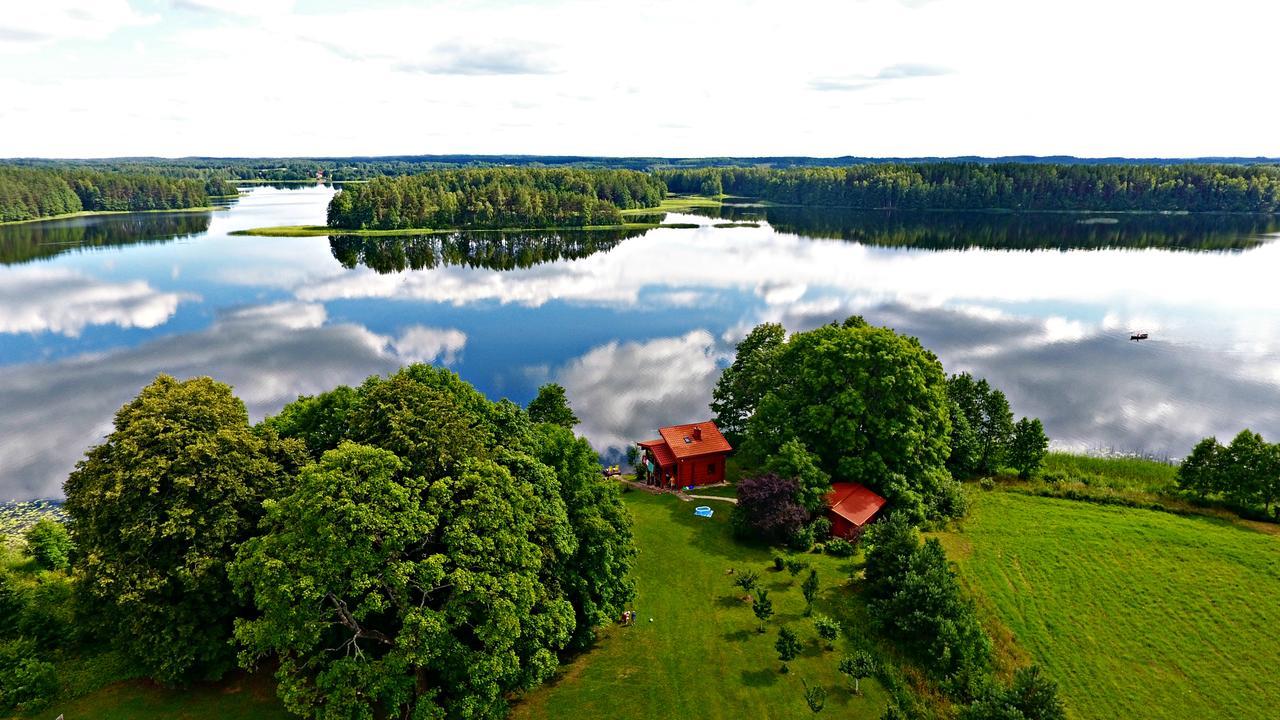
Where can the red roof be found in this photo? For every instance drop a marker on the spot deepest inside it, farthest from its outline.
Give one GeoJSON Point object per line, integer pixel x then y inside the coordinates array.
{"type": "Point", "coordinates": [854, 502]}
{"type": "Point", "coordinates": [695, 439]}
{"type": "Point", "coordinates": [660, 451]}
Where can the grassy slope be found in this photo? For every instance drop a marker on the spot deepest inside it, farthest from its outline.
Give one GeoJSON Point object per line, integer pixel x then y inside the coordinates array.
{"type": "Point", "coordinates": [1136, 613]}
{"type": "Point", "coordinates": [701, 657]}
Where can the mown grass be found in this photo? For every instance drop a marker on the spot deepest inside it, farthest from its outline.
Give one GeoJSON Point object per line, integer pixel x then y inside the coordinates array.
{"type": "Point", "coordinates": [1135, 613]}
{"type": "Point", "coordinates": [677, 203]}
{"type": "Point", "coordinates": [701, 656]}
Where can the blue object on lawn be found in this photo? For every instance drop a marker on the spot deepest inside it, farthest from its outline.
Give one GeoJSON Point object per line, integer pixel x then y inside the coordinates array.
{"type": "Point", "coordinates": [703, 511]}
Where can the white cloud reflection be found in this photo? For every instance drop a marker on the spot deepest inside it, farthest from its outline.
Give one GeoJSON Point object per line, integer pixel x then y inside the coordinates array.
{"type": "Point", "coordinates": [270, 354]}
{"type": "Point", "coordinates": [36, 299]}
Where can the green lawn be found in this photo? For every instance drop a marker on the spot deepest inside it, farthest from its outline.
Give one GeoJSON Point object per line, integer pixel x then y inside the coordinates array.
{"type": "Point", "coordinates": [1136, 613]}
{"type": "Point", "coordinates": [701, 657]}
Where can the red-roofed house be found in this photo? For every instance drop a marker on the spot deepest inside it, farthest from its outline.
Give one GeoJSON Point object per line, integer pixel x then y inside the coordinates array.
{"type": "Point", "coordinates": [686, 455]}
{"type": "Point", "coordinates": [851, 506]}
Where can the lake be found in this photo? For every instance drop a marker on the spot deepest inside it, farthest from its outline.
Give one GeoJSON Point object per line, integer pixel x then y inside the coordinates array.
{"type": "Point", "coordinates": [637, 326]}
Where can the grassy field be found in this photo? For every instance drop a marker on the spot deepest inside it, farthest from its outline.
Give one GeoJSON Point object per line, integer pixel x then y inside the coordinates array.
{"type": "Point", "coordinates": [1117, 473]}
{"type": "Point", "coordinates": [1135, 613]}
{"type": "Point", "coordinates": [701, 657]}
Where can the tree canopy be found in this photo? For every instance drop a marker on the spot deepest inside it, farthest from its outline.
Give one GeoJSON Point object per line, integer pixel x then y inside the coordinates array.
{"type": "Point", "coordinates": [866, 404]}
{"type": "Point", "coordinates": [494, 198]}
{"type": "Point", "coordinates": [551, 406]}
{"type": "Point", "coordinates": [1002, 185]}
{"type": "Point", "coordinates": [438, 557]}
{"type": "Point", "coordinates": [157, 511]}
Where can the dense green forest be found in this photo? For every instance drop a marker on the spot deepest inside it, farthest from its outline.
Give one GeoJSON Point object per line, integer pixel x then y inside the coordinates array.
{"type": "Point", "coordinates": [28, 193]}
{"type": "Point", "coordinates": [1012, 186]}
{"type": "Point", "coordinates": [495, 198]}
{"type": "Point", "coordinates": [366, 167]}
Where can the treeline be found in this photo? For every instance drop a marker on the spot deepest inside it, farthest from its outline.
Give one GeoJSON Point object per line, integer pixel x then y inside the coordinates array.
{"type": "Point", "coordinates": [32, 193]}
{"type": "Point", "coordinates": [494, 198]}
{"type": "Point", "coordinates": [491, 251]}
{"type": "Point", "coordinates": [1012, 186]}
{"type": "Point", "coordinates": [1245, 472]}
{"type": "Point", "coordinates": [404, 548]}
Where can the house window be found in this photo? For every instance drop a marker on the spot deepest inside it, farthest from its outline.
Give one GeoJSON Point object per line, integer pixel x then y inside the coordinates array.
{"type": "Point", "coordinates": [711, 469]}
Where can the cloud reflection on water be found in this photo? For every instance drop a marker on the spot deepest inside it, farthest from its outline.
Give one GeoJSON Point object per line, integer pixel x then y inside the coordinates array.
{"type": "Point", "coordinates": [270, 354]}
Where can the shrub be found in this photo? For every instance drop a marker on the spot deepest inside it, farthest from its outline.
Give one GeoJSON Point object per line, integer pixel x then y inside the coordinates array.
{"type": "Point", "coordinates": [821, 527]}
{"type": "Point", "coordinates": [841, 548]}
{"type": "Point", "coordinates": [49, 616]}
{"type": "Point", "coordinates": [827, 628]}
{"type": "Point", "coordinates": [802, 539]}
{"type": "Point", "coordinates": [49, 544]}
{"type": "Point", "coordinates": [779, 563]}
{"type": "Point", "coordinates": [767, 508]}
{"type": "Point", "coordinates": [26, 682]}
{"type": "Point", "coordinates": [987, 483]}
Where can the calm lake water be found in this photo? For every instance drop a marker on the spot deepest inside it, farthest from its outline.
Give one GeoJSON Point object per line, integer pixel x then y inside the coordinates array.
{"type": "Point", "coordinates": [637, 328]}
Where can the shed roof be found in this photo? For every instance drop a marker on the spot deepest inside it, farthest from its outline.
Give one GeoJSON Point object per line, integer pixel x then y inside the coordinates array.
{"type": "Point", "coordinates": [854, 502]}
{"type": "Point", "coordinates": [694, 439]}
{"type": "Point", "coordinates": [661, 452]}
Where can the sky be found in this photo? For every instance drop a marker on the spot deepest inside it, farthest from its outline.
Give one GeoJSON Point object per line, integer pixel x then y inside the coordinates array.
{"type": "Point", "coordinates": [1092, 78]}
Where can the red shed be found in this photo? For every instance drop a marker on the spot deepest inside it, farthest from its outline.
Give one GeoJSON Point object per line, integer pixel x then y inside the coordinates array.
{"type": "Point", "coordinates": [686, 455]}
{"type": "Point", "coordinates": [851, 506]}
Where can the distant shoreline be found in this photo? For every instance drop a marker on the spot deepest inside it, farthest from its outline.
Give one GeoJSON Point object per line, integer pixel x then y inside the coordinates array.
{"type": "Point", "coordinates": [92, 213]}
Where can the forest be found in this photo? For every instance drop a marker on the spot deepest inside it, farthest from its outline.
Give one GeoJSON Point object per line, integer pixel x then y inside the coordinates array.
{"type": "Point", "coordinates": [29, 193]}
{"type": "Point", "coordinates": [495, 198]}
{"type": "Point", "coordinates": [1004, 186]}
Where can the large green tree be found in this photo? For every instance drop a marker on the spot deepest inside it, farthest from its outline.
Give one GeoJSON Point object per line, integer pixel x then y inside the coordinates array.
{"type": "Point", "coordinates": [455, 543]}
{"type": "Point", "coordinates": [988, 417]}
{"type": "Point", "coordinates": [870, 405]}
{"type": "Point", "coordinates": [552, 406]}
{"type": "Point", "coordinates": [1200, 472]}
{"type": "Point", "coordinates": [745, 382]}
{"type": "Point", "coordinates": [383, 590]}
{"type": "Point", "coordinates": [1028, 446]}
{"type": "Point", "coordinates": [596, 573]}
{"type": "Point", "coordinates": [156, 512]}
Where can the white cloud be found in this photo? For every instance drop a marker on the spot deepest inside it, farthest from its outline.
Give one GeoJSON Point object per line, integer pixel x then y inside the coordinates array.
{"type": "Point", "coordinates": [28, 25]}
{"type": "Point", "coordinates": [624, 391]}
{"type": "Point", "coordinates": [427, 344]}
{"type": "Point", "coordinates": [554, 82]}
{"type": "Point", "coordinates": [36, 299]}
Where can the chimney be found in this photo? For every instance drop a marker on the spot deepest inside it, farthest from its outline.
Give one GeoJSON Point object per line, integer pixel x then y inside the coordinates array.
{"type": "Point", "coordinates": [697, 432]}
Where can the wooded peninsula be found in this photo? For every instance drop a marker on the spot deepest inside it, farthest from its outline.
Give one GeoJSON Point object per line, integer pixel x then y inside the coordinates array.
{"type": "Point", "coordinates": [29, 193]}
